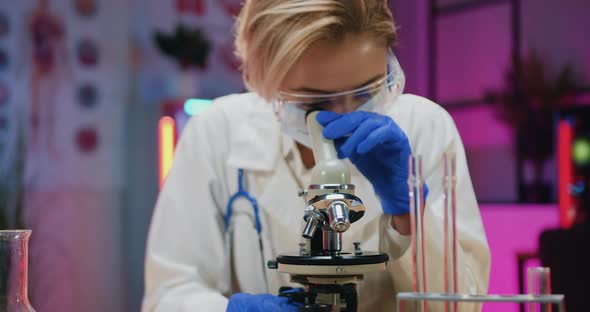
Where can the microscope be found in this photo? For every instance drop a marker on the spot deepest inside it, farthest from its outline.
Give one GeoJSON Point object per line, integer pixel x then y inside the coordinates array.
{"type": "Point", "coordinates": [329, 274]}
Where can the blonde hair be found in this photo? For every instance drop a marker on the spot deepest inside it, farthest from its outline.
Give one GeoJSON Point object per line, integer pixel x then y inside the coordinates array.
{"type": "Point", "coordinates": [271, 35]}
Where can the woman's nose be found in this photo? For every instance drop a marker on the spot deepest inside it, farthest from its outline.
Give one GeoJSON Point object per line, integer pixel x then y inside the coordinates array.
{"type": "Point", "coordinates": [344, 105]}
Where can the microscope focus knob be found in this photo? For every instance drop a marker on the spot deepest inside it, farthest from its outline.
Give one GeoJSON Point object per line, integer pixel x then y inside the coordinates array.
{"type": "Point", "coordinates": [272, 264]}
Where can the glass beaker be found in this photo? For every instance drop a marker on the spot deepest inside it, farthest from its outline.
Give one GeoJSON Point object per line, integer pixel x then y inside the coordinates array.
{"type": "Point", "coordinates": [14, 249]}
{"type": "Point", "coordinates": [539, 285]}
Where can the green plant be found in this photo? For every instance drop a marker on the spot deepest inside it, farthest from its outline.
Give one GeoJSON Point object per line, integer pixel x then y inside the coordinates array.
{"type": "Point", "coordinates": [188, 47]}
{"type": "Point", "coordinates": [529, 104]}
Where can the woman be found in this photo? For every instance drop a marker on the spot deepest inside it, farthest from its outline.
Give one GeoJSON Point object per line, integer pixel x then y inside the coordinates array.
{"type": "Point", "coordinates": [298, 55]}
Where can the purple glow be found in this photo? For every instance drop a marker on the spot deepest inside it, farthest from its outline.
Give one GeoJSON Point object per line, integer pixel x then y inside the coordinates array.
{"type": "Point", "coordinates": [473, 53]}
{"type": "Point", "coordinates": [490, 154]}
{"type": "Point", "coordinates": [511, 229]}
{"type": "Point", "coordinates": [481, 129]}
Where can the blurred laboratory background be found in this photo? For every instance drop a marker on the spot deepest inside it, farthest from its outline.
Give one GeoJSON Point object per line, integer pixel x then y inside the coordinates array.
{"type": "Point", "coordinates": [94, 94]}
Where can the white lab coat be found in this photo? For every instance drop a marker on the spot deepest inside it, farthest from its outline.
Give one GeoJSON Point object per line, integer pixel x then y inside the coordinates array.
{"type": "Point", "coordinates": [186, 261]}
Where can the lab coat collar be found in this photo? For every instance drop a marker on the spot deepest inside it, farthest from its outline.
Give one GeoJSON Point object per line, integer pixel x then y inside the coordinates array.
{"type": "Point", "coordinates": [256, 141]}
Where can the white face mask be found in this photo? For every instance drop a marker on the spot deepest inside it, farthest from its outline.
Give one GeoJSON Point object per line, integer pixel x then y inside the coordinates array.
{"type": "Point", "coordinates": [292, 118]}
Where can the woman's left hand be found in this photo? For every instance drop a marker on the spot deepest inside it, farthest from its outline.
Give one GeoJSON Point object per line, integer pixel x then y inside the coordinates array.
{"type": "Point", "coordinates": [379, 148]}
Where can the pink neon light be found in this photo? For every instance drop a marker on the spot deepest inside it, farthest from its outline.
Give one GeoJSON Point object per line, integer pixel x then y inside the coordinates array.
{"type": "Point", "coordinates": [166, 143]}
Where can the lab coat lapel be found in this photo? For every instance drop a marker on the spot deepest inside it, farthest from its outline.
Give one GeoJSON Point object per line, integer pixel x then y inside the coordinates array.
{"type": "Point", "coordinates": [247, 263]}
{"type": "Point", "coordinates": [282, 214]}
{"type": "Point", "coordinates": [254, 138]}
{"type": "Point", "coordinates": [258, 147]}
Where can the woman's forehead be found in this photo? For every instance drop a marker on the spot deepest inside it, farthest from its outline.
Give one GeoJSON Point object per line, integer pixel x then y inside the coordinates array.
{"type": "Point", "coordinates": [330, 66]}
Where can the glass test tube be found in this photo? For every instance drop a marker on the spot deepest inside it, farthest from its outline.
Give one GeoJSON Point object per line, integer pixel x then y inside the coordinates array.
{"type": "Point", "coordinates": [450, 228]}
{"type": "Point", "coordinates": [416, 186]}
{"type": "Point", "coordinates": [539, 279]}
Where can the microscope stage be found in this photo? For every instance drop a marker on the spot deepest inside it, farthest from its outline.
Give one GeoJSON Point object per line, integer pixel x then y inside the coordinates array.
{"type": "Point", "coordinates": [345, 264]}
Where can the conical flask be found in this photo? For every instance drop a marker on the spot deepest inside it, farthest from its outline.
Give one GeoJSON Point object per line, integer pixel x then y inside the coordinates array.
{"type": "Point", "coordinates": [14, 250]}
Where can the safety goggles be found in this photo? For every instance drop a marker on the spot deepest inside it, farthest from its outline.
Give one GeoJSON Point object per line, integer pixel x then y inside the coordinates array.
{"type": "Point", "coordinates": [375, 94]}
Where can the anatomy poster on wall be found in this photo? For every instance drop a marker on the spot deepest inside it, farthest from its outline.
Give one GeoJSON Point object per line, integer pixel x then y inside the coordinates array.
{"type": "Point", "coordinates": [66, 87]}
{"type": "Point", "coordinates": [215, 19]}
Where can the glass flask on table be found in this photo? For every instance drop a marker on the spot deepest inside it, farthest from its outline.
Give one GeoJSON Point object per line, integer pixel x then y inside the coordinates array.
{"type": "Point", "coordinates": [14, 249]}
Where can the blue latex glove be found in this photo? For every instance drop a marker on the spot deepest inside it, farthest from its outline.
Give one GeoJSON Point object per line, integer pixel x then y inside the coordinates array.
{"type": "Point", "coordinates": [379, 148]}
{"type": "Point", "coordinates": [243, 302]}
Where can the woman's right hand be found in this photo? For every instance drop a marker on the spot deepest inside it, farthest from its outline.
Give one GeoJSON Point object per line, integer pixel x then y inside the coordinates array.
{"type": "Point", "coordinates": [242, 302]}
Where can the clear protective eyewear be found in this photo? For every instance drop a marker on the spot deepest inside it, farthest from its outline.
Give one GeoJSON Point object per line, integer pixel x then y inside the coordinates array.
{"type": "Point", "coordinates": [377, 94]}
